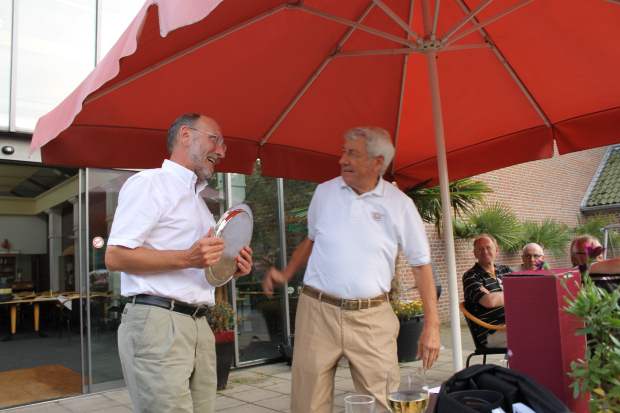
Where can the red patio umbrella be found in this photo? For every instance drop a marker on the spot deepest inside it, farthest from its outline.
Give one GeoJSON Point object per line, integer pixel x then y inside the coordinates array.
{"type": "Point", "coordinates": [285, 79]}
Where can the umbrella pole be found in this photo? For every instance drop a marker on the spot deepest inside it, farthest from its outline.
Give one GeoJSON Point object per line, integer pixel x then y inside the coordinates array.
{"type": "Point", "coordinates": [446, 214]}
{"type": "Point", "coordinates": [444, 182]}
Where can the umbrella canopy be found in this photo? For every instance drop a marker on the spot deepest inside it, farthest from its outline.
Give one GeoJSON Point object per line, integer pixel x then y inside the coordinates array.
{"type": "Point", "coordinates": [285, 79]}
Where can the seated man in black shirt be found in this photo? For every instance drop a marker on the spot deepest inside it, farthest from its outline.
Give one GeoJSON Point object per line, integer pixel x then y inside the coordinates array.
{"type": "Point", "coordinates": [482, 288]}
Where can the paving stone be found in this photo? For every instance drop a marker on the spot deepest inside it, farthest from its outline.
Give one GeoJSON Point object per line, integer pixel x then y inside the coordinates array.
{"type": "Point", "coordinates": [280, 404]}
{"type": "Point", "coordinates": [39, 408]}
{"type": "Point", "coordinates": [255, 395]}
{"type": "Point", "coordinates": [121, 396]}
{"type": "Point", "coordinates": [223, 403]}
{"type": "Point", "coordinates": [249, 408]}
{"type": "Point", "coordinates": [89, 403]}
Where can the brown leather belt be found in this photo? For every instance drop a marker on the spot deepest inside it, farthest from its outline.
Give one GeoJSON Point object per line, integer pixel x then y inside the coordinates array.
{"type": "Point", "coordinates": [345, 303]}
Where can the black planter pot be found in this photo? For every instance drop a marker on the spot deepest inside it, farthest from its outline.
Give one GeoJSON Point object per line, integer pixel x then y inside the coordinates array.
{"type": "Point", "coordinates": [224, 354]}
{"type": "Point", "coordinates": [408, 337]}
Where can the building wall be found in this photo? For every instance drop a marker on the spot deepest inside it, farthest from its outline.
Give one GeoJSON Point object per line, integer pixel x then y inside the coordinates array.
{"type": "Point", "coordinates": [550, 188]}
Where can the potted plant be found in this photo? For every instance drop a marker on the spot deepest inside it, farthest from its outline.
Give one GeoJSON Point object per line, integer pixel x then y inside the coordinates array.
{"type": "Point", "coordinates": [598, 374]}
{"type": "Point", "coordinates": [221, 318]}
{"type": "Point", "coordinates": [411, 318]}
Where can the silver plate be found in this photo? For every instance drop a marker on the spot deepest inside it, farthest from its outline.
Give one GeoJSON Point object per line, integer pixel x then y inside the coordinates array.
{"type": "Point", "coordinates": [235, 228]}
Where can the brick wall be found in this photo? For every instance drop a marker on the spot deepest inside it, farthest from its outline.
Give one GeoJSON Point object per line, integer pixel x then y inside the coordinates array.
{"type": "Point", "coordinates": [550, 188]}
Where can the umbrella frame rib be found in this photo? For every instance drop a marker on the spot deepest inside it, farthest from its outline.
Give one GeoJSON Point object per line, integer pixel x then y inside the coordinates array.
{"type": "Point", "coordinates": [351, 23]}
{"type": "Point", "coordinates": [396, 19]}
{"type": "Point", "coordinates": [467, 19]}
{"type": "Point", "coordinates": [95, 96]}
{"type": "Point", "coordinates": [446, 41]}
{"type": "Point", "coordinates": [314, 76]}
{"type": "Point", "coordinates": [402, 89]}
{"type": "Point", "coordinates": [513, 74]}
{"type": "Point", "coordinates": [435, 20]}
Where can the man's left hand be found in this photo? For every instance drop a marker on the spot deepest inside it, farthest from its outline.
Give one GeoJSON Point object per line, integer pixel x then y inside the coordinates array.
{"type": "Point", "coordinates": [244, 262]}
{"type": "Point", "coordinates": [428, 346]}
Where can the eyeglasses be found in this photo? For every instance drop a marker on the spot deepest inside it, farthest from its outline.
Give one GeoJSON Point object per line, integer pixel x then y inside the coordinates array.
{"type": "Point", "coordinates": [217, 139]}
{"type": "Point", "coordinates": [535, 256]}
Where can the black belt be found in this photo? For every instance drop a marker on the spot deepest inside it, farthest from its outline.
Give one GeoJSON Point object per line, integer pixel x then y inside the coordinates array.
{"type": "Point", "coordinates": [195, 311]}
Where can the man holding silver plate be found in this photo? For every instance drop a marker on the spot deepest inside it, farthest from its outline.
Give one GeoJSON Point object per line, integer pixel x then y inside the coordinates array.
{"type": "Point", "coordinates": [356, 224]}
{"type": "Point", "coordinates": [164, 241]}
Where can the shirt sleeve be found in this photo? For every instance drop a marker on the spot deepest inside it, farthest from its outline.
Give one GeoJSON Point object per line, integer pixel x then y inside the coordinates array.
{"type": "Point", "coordinates": [413, 236]}
{"type": "Point", "coordinates": [313, 211]}
{"type": "Point", "coordinates": [471, 288]}
{"type": "Point", "coordinates": [137, 213]}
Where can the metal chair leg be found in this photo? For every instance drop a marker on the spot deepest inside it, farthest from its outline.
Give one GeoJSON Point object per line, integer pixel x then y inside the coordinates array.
{"type": "Point", "coordinates": [469, 358]}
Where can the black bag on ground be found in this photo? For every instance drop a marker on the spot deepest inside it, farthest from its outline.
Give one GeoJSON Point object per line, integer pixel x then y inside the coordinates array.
{"type": "Point", "coordinates": [513, 386]}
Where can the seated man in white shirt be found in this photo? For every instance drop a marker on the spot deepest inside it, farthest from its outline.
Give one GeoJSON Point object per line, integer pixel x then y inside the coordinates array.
{"type": "Point", "coordinates": [356, 223]}
{"type": "Point", "coordinates": [161, 239]}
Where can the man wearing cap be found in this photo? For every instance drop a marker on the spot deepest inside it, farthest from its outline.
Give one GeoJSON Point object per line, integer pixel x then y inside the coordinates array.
{"type": "Point", "coordinates": [162, 241]}
{"type": "Point", "coordinates": [356, 224]}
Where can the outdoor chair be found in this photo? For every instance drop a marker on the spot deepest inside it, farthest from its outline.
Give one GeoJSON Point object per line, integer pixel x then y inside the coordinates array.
{"type": "Point", "coordinates": [481, 349]}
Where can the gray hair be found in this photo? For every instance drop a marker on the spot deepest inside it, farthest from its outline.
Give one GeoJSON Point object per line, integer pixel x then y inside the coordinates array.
{"type": "Point", "coordinates": [378, 143]}
{"type": "Point", "coordinates": [487, 236]}
{"type": "Point", "coordinates": [534, 245]}
{"type": "Point", "coordinates": [186, 119]}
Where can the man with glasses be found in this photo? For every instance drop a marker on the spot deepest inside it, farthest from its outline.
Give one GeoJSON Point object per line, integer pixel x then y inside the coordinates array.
{"type": "Point", "coordinates": [356, 224]}
{"type": "Point", "coordinates": [533, 258]}
{"type": "Point", "coordinates": [162, 241]}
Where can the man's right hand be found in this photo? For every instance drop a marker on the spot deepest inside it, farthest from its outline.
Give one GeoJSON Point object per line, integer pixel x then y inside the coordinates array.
{"type": "Point", "coordinates": [205, 252]}
{"type": "Point", "coordinates": [272, 278]}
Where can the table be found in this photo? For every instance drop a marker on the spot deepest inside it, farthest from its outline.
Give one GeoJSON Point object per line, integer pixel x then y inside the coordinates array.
{"type": "Point", "coordinates": [36, 301]}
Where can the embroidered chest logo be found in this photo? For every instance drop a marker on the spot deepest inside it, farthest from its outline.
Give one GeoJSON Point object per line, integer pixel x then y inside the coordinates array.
{"type": "Point", "coordinates": [377, 216]}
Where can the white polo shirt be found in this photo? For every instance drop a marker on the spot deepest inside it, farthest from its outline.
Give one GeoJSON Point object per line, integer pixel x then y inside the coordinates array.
{"type": "Point", "coordinates": [356, 238]}
{"type": "Point", "coordinates": [162, 209]}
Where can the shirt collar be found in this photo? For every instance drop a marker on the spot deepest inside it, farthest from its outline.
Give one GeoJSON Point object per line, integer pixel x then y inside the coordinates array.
{"type": "Point", "coordinates": [379, 190]}
{"type": "Point", "coordinates": [188, 177]}
{"type": "Point", "coordinates": [485, 271]}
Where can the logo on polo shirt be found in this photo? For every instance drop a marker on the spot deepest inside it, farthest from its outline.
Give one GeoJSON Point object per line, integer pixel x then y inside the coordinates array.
{"type": "Point", "coordinates": [377, 216]}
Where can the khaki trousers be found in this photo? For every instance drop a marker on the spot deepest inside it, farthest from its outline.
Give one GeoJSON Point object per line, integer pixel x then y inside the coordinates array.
{"type": "Point", "coordinates": [497, 339]}
{"type": "Point", "coordinates": [324, 333]}
{"type": "Point", "coordinates": [168, 360]}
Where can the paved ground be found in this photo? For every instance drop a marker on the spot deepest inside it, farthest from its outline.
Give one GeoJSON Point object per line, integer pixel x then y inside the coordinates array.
{"type": "Point", "coordinates": [262, 389]}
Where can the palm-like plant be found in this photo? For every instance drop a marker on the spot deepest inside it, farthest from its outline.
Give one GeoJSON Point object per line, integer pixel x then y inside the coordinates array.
{"type": "Point", "coordinates": [550, 234]}
{"type": "Point", "coordinates": [494, 219]}
{"type": "Point", "coordinates": [465, 195]}
{"type": "Point", "coordinates": [594, 226]}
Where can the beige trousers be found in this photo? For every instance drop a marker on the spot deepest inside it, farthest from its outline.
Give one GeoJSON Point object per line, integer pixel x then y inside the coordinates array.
{"type": "Point", "coordinates": [496, 340]}
{"type": "Point", "coordinates": [324, 333]}
{"type": "Point", "coordinates": [168, 360]}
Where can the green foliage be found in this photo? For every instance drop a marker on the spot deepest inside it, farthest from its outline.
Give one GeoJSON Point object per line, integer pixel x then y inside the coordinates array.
{"type": "Point", "coordinates": [599, 373]}
{"type": "Point", "coordinates": [406, 310]}
{"type": "Point", "coordinates": [221, 317]}
{"type": "Point", "coordinates": [494, 219]}
{"type": "Point", "coordinates": [465, 195]}
{"type": "Point", "coordinates": [594, 226]}
{"type": "Point", "coordinates": [463, 229]}
{"type": "Point", "coordinates": [550, 234]}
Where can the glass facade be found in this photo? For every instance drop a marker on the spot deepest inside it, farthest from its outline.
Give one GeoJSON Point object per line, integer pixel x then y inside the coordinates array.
{"type": "Point", "coordinates": [114, 17]}
{"type": "Point", "coordinates": [49, 47]}
{"type": "Point", "coordinates": [53, 54]}
{"type": "Point", "coordinates": [6, 20]}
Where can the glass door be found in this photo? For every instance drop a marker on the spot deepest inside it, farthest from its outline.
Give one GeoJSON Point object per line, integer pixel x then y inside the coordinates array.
{"type": "Point", "coordinates": [261, 324]}
{"type": "Point", "coordinates": [102, 303]}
